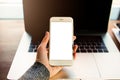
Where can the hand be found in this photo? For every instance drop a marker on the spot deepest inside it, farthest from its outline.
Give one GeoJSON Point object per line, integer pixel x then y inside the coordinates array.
{"type": "Point", "coordinates": [42, 55]}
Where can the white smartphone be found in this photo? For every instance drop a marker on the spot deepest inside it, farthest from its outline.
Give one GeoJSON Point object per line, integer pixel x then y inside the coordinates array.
{"type": "Point", "coordinates": [61, 41]}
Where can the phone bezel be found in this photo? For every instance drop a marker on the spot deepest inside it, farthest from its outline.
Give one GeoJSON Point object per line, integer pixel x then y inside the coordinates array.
{"type": "Point", "coordinates": [60, 62]}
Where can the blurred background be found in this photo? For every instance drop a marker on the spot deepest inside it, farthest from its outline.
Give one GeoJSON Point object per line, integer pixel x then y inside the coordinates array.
{"type": "Point", "coordinates": [13, 9]}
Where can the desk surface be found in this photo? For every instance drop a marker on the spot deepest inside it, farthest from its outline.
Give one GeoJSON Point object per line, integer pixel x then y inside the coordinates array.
{"type": "Point", "coordinates": [10, 34]}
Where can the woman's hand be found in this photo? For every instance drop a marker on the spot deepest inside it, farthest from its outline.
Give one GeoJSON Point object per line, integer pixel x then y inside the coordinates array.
{"type": "Point", "coordinates": [42, 55]}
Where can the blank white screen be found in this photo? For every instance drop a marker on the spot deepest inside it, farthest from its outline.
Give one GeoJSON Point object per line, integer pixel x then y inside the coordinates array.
{"type": "Point", "coordinates": [61, 34]}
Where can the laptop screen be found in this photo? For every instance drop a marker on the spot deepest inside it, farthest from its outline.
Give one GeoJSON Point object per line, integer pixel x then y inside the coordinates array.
{"type": "Point", "coordinates": [90, 16]}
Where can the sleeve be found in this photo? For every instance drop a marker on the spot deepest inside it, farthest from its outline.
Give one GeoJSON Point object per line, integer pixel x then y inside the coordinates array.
{"type": "Point", "coordinates": [37, 72]}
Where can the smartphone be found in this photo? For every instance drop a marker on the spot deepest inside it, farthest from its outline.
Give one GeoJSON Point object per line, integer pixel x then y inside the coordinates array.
{"type": "Point", "coordinates": [61, 41]}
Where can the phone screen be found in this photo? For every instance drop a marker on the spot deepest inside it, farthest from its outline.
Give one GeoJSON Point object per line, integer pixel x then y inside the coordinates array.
{"type": "Point", "coordinates": [61, 34]}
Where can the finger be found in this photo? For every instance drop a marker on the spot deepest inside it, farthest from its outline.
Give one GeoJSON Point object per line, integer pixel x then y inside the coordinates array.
{"type": "Point", "coordinates": [47, 49]}
{"type": "Point", "coordinates": [45, 40]}
{"type": "Point", "coordinates": [74, 51]}
{"type": "Point", "coordinates": [74, 56]}
{"type": "Point", "coordinates": [74, 37]}
{"type": "Point", "coordinates": [75, 48]}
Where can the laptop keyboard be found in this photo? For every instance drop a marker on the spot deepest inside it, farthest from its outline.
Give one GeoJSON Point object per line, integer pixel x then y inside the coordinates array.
{"type": "Point", "coordinates": [90, 44]}
{"type": "Point", "coordinates": [33, 47]}
{"type": "Point", "coordinates": [86, 44]}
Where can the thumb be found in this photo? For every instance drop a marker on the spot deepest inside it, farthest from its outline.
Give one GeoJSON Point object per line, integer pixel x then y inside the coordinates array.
{"type": "Point", "coordinates": [45, 40]}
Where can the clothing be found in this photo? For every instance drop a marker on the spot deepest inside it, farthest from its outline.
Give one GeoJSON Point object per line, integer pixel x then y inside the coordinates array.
{"type": "Point", "coordinates": [37, 72]}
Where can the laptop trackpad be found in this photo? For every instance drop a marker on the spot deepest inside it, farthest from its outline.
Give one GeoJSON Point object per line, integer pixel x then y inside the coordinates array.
{"type": "Point", "coordinates": [84, 67]}
{"type": "Point", "coordinates": [108, 65]}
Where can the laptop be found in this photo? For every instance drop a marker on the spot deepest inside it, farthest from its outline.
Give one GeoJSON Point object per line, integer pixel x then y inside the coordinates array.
{"type": "Point", "coordinates": [97, 55]}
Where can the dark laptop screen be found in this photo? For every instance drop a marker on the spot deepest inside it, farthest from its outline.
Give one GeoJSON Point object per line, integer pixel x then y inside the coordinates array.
{"type": "Point", "coordinates": [90, 16]}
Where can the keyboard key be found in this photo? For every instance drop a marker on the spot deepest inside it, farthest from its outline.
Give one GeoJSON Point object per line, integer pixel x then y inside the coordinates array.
{"type": "Point", "coordinates": [81, 47]}
{"type": "Point", "coordinates": [83, 51]}
{"type": "Point", "coordinates": [105, 50]}
{"type": "Point", "coordinates": [95, 50]}
{"type": "Point", "coordinates": [100, 50]}
{"type": "Point", "coordinates": [92, 47]}
{"type": "Point", "coordinates": [32, 46]}
{"type": "Point", "coordinates": [87, 47]}
{"type": "Point", "coordinates": [89, 50]}
{"type": "Point", "coordinates": [30, 50]}
{"type": "Point", "coordinates": [98, 47]}
{"type": "Point", "coordinates": [34, 50]}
